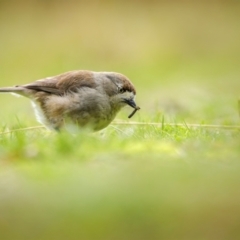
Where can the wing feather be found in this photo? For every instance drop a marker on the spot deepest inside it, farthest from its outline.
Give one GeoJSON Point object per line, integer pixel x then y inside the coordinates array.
{"type": "Point", "coordinates": [63, 83]}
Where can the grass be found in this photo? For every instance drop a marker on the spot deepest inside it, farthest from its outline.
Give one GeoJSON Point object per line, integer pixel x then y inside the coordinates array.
{"type": "Point", "coordinates": [143, 181]}
{"type": "Point", "coordinates": [130, 181]}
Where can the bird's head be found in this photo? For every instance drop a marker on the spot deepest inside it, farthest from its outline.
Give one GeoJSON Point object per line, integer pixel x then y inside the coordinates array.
{"type": "Point", "coordinates": [120, 90]}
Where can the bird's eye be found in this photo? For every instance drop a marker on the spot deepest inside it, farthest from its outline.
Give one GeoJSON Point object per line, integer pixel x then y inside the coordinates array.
{"type": "Point", "coordinates": [122, 90]}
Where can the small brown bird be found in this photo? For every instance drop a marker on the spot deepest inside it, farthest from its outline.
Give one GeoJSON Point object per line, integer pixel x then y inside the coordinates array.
{"type": "Point", "coordinates": [83, 98]}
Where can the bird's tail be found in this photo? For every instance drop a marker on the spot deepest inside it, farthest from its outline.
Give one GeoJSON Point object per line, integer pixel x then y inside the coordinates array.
{"type": "Point", "coordinates": [14, 90]}
{"type": "Point", "coordinates": [11, 89]}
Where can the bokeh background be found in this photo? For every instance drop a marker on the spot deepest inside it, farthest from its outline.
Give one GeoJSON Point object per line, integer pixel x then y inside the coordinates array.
{"type": "Point", "coordinates": [184, 59]}
{"type": "Point", "coordinates": [183, 56]}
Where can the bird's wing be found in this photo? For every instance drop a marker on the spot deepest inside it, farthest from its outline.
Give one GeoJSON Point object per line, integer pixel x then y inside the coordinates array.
{"type": "Point", "coordinates": [63, 83]}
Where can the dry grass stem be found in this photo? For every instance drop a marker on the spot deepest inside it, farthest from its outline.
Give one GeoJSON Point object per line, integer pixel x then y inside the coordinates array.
{"type": "Point", "coordinates": [194, 125]}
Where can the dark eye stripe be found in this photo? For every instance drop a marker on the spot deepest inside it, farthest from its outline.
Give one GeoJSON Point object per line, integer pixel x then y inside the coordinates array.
{"type": "Point", "coordinates": [126, 89]}
{"type": "Point", "coordinates": [122, 90]}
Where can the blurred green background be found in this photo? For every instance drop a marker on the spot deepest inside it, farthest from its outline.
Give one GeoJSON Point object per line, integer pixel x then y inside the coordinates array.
{"type": "Point", "coordinates": [132, 183]}
{"type": "Point", "coordinates": [183, 56]}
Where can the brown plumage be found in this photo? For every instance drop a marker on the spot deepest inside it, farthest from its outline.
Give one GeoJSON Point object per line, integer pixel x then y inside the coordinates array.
{"type": "Point", "coordinates": [82, 98]}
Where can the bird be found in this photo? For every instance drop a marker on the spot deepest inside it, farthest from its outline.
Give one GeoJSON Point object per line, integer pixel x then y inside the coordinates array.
{"type": "Point", "coordinates": [82, 98]}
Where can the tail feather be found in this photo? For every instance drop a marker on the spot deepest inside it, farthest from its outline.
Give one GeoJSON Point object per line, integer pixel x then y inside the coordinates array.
{"type": "Point", "coordinates": [18, 90]}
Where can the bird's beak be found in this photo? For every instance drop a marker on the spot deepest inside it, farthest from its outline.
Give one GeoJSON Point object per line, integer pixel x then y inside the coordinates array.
{"type": "Point", "coordinates": [131, 103]}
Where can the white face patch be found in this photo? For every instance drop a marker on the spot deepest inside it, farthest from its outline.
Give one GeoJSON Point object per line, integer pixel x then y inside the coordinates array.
{"type": "Point", "coordinates": [119, 99]}
{"type": "Point", "coordinates": [127, 95]}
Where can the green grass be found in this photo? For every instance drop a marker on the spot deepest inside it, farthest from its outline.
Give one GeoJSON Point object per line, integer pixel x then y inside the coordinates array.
{"type": "Point", "coordinates": [141, 182]}
{"type": "Point", "coordinates": [128, 181]}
